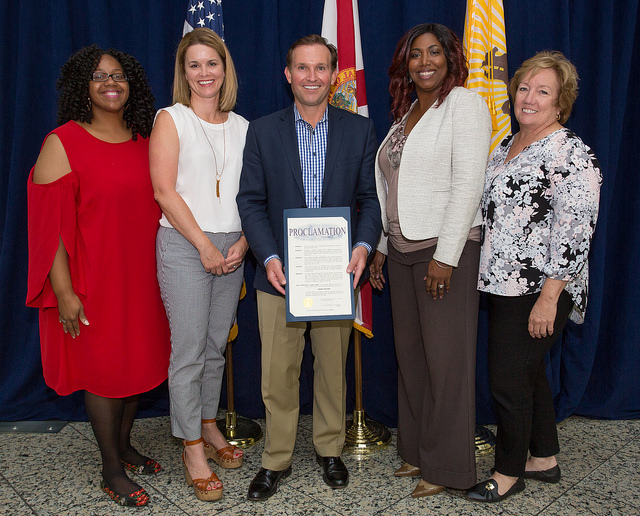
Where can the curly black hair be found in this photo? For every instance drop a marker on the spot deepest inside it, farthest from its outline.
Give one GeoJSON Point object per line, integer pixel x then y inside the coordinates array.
{"type": "Point", "coordinates": [74, 79]}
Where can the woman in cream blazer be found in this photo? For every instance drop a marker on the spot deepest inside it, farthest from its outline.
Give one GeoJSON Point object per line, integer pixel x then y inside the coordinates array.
{"type": "Point", "coordinates": [430, 176]}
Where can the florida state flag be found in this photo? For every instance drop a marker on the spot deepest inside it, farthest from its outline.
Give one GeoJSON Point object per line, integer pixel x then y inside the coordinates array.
{"type": "Point", "coordinates": [341, 27]}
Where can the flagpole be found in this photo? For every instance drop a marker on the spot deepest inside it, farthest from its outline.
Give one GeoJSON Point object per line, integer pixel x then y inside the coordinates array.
{"type": "Point", "coordinates": [238, 431]}
{"type": "Point", "coordinates": [363, 435]}
{"type": "Point", "coordinates": [485, 47]}
{"type": "Point", "coordinates": [341, 27]}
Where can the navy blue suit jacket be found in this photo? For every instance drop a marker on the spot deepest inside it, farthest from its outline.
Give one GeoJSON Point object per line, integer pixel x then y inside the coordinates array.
{"type": "Point", "coordinates": [271, 181]}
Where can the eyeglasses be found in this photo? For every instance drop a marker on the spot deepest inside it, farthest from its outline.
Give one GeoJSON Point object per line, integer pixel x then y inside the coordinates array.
{"type": "Point", "coordinates": [104, 77]}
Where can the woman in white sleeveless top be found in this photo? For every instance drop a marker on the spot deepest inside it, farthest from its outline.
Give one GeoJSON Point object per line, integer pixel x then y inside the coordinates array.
{"type": "Point", "coordinates": [195, 157]}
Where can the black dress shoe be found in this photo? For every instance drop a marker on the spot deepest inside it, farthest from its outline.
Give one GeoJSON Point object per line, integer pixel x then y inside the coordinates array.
{"type": "Point", "coordinates": [334, 472]}
{"type": "Point", "coordinates": [265, 483]}
{"type": "Point", "coordinates": [487, 491]}
{"type": "Point", "coordinates": [551, 475]}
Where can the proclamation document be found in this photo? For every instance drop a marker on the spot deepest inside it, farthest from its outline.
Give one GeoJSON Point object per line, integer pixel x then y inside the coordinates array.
{"type": "Point", "coordinates": [317, 251]}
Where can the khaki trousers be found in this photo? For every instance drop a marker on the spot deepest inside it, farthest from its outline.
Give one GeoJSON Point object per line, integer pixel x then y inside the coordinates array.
{"type": "Point", "coordinates": [282, 348]}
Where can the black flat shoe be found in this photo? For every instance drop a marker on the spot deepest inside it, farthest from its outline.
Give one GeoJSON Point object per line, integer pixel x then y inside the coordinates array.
{"type": "Point", "coordinates": [334, 472]}
{"type": "Point", "coordinates": [139, 498]}
{"type": "Point", "coordinates": [265, 483]}
{"type": "Point", "coordinates": [487, 491]}
{"type": "Point", "coordinates": [150, 467]}
{"type": "Point", "coordinates": [551, 475]}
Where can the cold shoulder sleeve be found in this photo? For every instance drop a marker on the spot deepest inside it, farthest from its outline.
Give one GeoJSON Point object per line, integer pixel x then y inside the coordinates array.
{"type": "Point", "coordinates": [51, 216]}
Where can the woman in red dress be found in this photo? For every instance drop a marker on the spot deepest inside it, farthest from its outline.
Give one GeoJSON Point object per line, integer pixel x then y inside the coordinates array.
{"type": "Point", "coordinates": [92, 227]}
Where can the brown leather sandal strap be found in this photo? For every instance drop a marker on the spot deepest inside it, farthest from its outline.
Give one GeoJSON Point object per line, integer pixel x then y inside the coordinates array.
{"type": "Point", "coordinates": [202, 483]}
{"type": "Point", "coordinates": [208, 421]}
{"type": "Point", "coordinates": [192, 443]}
{"type": "Point", "coordinates": [227, 454]}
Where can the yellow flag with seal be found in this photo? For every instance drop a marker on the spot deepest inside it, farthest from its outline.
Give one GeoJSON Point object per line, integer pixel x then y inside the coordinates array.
{"type": "Point", "coordinates": [485, 45]}
{"type": "Point", "coordinates": [233, 333]}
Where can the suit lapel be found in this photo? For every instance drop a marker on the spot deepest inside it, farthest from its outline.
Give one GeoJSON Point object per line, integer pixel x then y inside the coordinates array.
{"type": "Point", "coordinates": [334, 140]}
{"type": "Point", "coordinates": [290, 146]}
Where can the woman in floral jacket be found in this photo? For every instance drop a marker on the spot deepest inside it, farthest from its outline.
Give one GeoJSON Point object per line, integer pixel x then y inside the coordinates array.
{"type": "Point", "coordinates": [540, 205]}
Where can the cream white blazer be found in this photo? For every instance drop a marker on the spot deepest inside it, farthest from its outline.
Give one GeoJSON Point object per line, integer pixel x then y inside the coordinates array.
{"type": "Point", "coordinates": [441, 175]}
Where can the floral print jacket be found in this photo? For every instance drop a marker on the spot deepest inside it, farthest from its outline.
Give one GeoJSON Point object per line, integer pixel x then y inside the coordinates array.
{"type": "Point", "coordinates": [539, 214]}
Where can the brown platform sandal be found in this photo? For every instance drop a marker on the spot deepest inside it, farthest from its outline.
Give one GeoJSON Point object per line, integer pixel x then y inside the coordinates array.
{"type": "Point", "coordinates": [224, 457]}
{"type": "Point", "coordinates": [200, 484]}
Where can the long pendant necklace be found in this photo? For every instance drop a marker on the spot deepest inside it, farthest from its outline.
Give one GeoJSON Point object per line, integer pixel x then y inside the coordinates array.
{"type": "Point", "coordinates": [215, 159]}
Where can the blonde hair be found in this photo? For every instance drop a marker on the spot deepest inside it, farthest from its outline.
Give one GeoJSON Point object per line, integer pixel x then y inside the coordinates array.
{"type": "Point", "coordinates": [566, 74]}
{"type": "Point", "coordinates": [229, 88]}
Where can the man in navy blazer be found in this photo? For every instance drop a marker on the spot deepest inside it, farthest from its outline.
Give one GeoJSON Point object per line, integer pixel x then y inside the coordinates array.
{"type": "Point", "coordinates": [308, 155]}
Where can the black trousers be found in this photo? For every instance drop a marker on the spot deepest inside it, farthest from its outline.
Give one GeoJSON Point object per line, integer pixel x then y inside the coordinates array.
{"type": "Point", "coordinates": [519, 384]}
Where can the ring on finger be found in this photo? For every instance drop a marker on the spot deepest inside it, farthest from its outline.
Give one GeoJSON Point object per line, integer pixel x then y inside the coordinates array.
{"type": "Point", "coordinates": [441, 286]}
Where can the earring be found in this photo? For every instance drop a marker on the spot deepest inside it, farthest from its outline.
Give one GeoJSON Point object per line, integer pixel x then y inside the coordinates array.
{"type": "Point", "coordinates": [89, 104]}
{"type": "Point", "coordinates": [557, 116]}
{"type": "Point", "coordinates": [410, 80]}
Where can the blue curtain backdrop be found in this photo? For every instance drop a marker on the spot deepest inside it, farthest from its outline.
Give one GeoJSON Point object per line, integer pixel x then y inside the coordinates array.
{"type": "Point", "coordinates": [593, 368]}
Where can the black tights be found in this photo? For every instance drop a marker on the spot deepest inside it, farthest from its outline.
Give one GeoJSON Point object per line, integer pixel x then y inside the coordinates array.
{"type": "Point", "coordinates": [111, 420]}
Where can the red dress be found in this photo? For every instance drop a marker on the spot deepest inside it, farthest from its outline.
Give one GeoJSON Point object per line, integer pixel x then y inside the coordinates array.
{"type": "Point", "coordinates": [105, 212]}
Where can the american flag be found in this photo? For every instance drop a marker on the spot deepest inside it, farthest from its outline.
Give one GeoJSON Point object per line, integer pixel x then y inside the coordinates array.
{"type": "Point", "coordinates": [204, 13]}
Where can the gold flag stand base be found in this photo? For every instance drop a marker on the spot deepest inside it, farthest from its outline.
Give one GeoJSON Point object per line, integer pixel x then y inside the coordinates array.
{"type": "Point", "coordinates": [365, 435]}
{"type": "Point", "coordinates": [238, 431]}
{"type": "Point", "coordinates": [485, 441]}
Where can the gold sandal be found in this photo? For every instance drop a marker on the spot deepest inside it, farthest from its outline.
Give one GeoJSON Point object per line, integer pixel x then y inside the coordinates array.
{"type": "Point", "coordinates": [223, 457]}
{"type": "Point", "coordinates": [200, 484]}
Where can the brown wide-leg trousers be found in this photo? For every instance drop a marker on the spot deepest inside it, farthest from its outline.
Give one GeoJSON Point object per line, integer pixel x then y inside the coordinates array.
{"type": "Point", "coordinates": [436, 351]}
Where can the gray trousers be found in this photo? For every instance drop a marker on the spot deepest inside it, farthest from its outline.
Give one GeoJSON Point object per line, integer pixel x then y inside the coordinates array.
{"type": "Point", "coordinates": [201, 308]}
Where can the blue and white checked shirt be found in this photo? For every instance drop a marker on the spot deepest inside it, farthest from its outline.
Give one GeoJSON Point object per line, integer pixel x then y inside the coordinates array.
{"type": "Point", "coordinates": [312, 147]}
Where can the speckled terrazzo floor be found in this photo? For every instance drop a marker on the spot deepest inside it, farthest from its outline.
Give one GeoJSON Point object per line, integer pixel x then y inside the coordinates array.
{"type": "Point", "coordinates": [58, 474]}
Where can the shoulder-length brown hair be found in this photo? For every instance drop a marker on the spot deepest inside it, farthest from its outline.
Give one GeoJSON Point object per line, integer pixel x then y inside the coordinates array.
{"type": "Point", "coordinates": [229, 89]}
{"type": "Point", "coordinates": [401, 88]}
